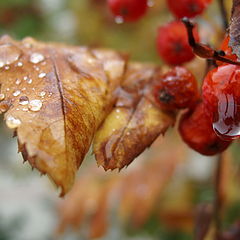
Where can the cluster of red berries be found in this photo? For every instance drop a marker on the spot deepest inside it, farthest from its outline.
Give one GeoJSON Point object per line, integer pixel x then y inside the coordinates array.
{"type": "Point", "coordinates": [132, 10]}
{"type": "Point", "coordinates": [172, 40]}
{"type": "Point", "coordinates": [177, 89]}
{"type": "Point", "coordinates": [212, 121]}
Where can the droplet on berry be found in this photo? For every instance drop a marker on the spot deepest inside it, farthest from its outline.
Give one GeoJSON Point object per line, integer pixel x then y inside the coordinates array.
{"type": "Point", "coordinates": [177, 89]}
{"type": "Point", "coordinates": [187, 8]}
{"type": "Point", "coordinates": [128, 10]}
{"type": "Point", "coordinates": [196, 130]}
{"type": "Point", "coordinates": [226, 120]}
{"type": "Point", "coordinates": [172, 43]}
{"type": "Point", "coordinates": [221, 96]}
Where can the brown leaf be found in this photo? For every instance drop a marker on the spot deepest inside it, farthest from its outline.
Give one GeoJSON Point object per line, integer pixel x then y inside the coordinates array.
{"type": "Point", "coordinates": [55, 97]}
{"type": "Point", "coordinates": [234, 28]}
{"type": "Point", "coordinates": [134, 123]}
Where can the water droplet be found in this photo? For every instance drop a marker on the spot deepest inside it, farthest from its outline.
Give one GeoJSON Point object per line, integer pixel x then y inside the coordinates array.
{"type": "Point", "coordinates": [2, 96]}
{"type": "Point", "coordinates": [25, 78]}
{"type": "Point", "coordinates": [4, 106]}
{"type": "Point", "coordinates": [29, 81]}
{"type": "Point", "coordinates": [23, 100]}
{"type": "Point", "coordinates": [23, 89]}
{"type": "Point", "coordinates": [128, 133]}
{"type": "Point", "coordinates": [19, 64]}
{"type": "Point", "coordinates": [7, 67]}
{"type": "Point", "coordinates": [18, 81]}
{"type": "Point", "coordinates": [42, 94]}
{"type": "Point", "coordinates": [36, 58]}
{"type": "Point", "coordinates": [16, 93]}
{"type": "Point", "coordinates": [13, 122]}
{"type": "Point", "coordinates": [150, 3]}
{"type": "Point", "coordinates": [35, 105]}
{"type": "Point", "coordinates": [118, 110]}
{"type": "Point", "coordinates": [42, 75]}
{"type": "Point", "coordinates": [1, 64]}
{"type": "Point", "coordinates": [9, 54]}
{"type": "Point", "coordinates": [25, 109]}
{"type": "Point", "coordinates": [119, 20]}
{"type": "Point", "coordinates": [36, 68]}
{"type": "Point", "coordinates": [8, 89]}
{"type": "Point", "coordinates": [226, 122]}
{"type": "Point", "coordinates": [27, 45]}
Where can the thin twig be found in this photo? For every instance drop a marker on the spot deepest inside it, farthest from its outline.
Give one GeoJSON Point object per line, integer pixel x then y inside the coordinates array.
{"type": "Point", "coordinates": [218, 198]}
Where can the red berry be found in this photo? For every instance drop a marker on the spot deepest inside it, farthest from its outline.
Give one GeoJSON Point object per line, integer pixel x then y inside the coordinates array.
{"type": "Point", "coordinates": [187, 8]}
{"type": "Point", "coordinates": [129, 10]}
{"type": "Point", "coordinates": [221, 96]}
{"type": "Point", "coordinates": [177, 89]}
{"type": "Point", "coordinates": [172, 43]}
{"type": "Point", "coordinates": [196, 130]}
{"type": "Point", "coordinates": [228, 50]}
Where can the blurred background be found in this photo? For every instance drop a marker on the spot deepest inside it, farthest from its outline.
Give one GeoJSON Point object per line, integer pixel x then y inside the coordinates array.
{"type": "Point", "coordinates": [159, 195]}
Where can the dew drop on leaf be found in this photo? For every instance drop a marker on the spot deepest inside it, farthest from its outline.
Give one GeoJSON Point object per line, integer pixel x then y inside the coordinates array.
{"type": "Point", "coordinates": [2, 96]}
{"type": "Point", "coordinates": [42, 75]}
{"type": "Point", "coordinates": [23, 100]}
{"type": "Point", "coordinates": [42, 94]}
{"type": "Point", "coordinates": [16, 93]}
{"type": "Point", "coordinates": [36, 58]}
{"type": "Point", "coordinates": [9, 54]}
{"type": "Point", "coordinates": [12, 122]}
{"type": "Point", "coordinates": [19, 64]}
{"type": "Point", "coordinates": [18, 81]}
{"type": "Point", "coordinates": [35, 105]}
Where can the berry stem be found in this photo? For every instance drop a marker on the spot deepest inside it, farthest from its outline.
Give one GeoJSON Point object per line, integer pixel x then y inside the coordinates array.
{"type": "Point", "coordinates": [202, 50]}
{"type": "Point", "coordinates": [189, 25]}
{"type": "Point", "coordinates": [223, 13]}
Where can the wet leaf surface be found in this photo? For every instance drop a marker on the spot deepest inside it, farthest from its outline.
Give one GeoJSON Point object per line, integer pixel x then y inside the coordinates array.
{"type": "Point", "coordinates": [55, 97]}
{"type": "Point", "coordinates": [135, 121]}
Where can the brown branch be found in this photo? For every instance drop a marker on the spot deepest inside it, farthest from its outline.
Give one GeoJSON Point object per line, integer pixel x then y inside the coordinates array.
{"type": "Point", "coordinates": [218, 198]}
{"type": "Point", "coordinates": [203, 50]}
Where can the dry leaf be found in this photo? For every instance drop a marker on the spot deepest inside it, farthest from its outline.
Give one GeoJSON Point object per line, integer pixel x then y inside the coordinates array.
{"type": "Point", "coordinates": [134, 123]}
{"type": "Point", "coordinates": [234, 28]}
{"type": "Point", "coordinates": [55, 97]}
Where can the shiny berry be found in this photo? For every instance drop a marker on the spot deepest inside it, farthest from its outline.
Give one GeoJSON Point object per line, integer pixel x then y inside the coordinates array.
{"type": "Point", "coordinates": [172, 43]}
{"type": "Point", "coordinates": [196, 130]}
{"type": "Point", "coordinates": [187, 8]}
{"type": "Point", "coordinates": [221, 97]}
{"type": "Point", "coordinates": [177, 89]}
{"type": "Point", "coordinates": [128, 10]}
